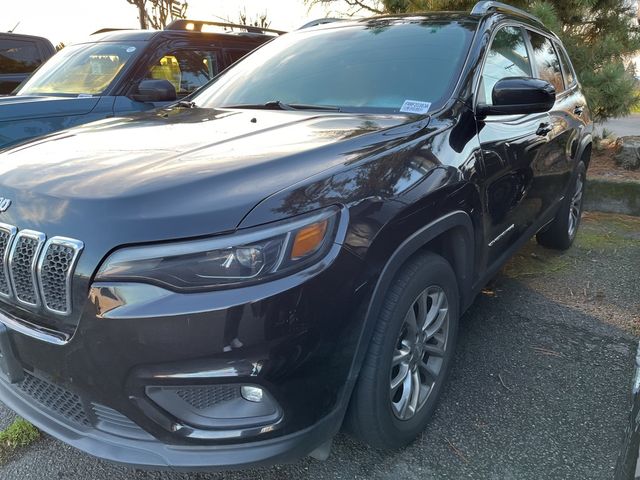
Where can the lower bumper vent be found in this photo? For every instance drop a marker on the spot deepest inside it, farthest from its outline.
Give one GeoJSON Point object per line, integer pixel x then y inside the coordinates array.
{"type": "Point", "coordinates": [55, 398]}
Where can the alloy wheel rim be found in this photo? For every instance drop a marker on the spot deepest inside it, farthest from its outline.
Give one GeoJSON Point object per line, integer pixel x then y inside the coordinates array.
{"type": "Point", "coordinates": [575, 207]}
{"type": "Point", "coordinates": [418, 356]}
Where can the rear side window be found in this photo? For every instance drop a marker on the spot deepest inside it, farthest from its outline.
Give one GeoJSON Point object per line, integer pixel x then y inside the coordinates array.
{"type": "Point", "coordinates": [507, 57]}
{"type": "Point", "coordinates": [569, 78]}
{"type": "Point", "coordinates": [546, 60]}
{"type": "Point", "coordinates": [233, 55]}
{"type": "Point", "coordinates": [18, 56]}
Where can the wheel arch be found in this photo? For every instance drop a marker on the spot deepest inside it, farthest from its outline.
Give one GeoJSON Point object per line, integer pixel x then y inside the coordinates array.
{"type": "Point", "coordinates": [451, 236]}
{"type": "Point", "coordinates": [584, 151]}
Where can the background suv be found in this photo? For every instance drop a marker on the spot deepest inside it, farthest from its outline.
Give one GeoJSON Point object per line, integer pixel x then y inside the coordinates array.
{"type": "Point", "coordinates": [119, 72]}
{"type": "Point", "coordinates": [228, 281]}
{"type": "Point", "coordinates": [20, 55]}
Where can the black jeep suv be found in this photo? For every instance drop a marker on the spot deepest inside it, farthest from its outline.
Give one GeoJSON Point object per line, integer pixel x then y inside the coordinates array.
{"type": "Point", "coordinates": [228, 281]}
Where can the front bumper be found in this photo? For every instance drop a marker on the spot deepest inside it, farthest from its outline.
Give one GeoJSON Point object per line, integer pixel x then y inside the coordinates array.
{"type": "Point", "coordinates": [294, 337]}
{"type": "Point", "coordinates": [147, 451]}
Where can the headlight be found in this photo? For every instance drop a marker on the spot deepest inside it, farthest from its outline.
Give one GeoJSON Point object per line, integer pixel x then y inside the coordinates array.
{"type": "Point", "coordinates": [244, 258]}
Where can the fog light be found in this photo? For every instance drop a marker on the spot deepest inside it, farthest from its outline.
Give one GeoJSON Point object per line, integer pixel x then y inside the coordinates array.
{"type": "Point", "coordinates": [252, 394]}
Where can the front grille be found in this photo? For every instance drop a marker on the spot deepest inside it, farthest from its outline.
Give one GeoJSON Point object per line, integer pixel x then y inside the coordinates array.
{"type": "Point", "coordinates": [36, 273]}
{"type": "Point", "coordinates": [7, 232]}
{"type": "Point", "coordinates": [206, 396]}
{"type": "Point", "coordinates": [54, 398]}
{"type": "Point", "coordinates": [55, 269]}
{"type": "Point", "coordinates": [22, 263]}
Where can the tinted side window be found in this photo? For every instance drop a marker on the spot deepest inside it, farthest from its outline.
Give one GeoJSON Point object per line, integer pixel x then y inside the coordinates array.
{"type": "Point", "coordinates": [546, 60]}
{"type": "Point", "coordinates": [233, 55]}
{"type": "Point", "coordinates": [18, 56]}
{"type": "Point", "coordinates": [566, 67]}
{"type": "Point", "coordinates": [507, 57]}
{"type": "Point", "coordinates": [187, 70]}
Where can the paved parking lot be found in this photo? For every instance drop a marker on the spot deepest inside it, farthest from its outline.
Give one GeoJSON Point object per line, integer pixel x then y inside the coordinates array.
{"type": "Point", "coordinates": [540, 388]}
{"type": "Point", "coordinates": [622, 127]}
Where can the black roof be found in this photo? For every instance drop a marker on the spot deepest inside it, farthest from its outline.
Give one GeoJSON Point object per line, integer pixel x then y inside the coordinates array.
{"type": "Point", "coordinates": [462, 17]}
{"type": "Point", "coordinates": [117, 35]}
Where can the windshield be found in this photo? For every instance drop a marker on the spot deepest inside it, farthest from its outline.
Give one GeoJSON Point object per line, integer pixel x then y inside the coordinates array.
{"type": "Point", "coordinates": [376, 66]}
{"type": "Point", "coordinates": [85, 69]}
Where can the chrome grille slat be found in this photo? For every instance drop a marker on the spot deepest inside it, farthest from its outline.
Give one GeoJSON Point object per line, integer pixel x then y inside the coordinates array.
{"type": "Point", "coordinates": [7, 234]}
{"type": "Point", "coordinates": [22, 266]}
{"type": "Point", "coordinates": [55, 268]}
{"type": "Point", "coordinates": [35, 272]}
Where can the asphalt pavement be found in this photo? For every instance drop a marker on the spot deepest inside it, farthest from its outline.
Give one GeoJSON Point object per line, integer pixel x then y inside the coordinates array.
{"type": "Point", "coordinates": [540, 387]}
{"type": "Point", "coordinates": [622, 127]}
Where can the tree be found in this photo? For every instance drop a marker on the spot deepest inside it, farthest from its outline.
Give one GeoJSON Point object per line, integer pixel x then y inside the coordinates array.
{"type": "Point", "coordinates": [261, 20]}
{"type": "Point", "coordinates": [600, 36]}
{"type": "Point", "coordinates": [157, 14]}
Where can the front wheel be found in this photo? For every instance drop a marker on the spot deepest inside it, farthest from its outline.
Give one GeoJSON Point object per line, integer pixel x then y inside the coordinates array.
{"type": "Point", "coordinates": [562, 231]}
{"type": "Point", "coordinates": [409, 356]}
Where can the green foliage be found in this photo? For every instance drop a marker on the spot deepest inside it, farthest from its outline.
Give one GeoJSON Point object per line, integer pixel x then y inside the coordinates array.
{"type": "Point", "coordinates": [17, 435]}
{"type": "Point", "coordinates": [600, 36]}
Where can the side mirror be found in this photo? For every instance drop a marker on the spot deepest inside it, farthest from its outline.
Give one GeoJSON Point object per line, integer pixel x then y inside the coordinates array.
{"type": "Point", "coordinates": [519, 96]}
{"type": "Point", "coordinates": [155, 91]}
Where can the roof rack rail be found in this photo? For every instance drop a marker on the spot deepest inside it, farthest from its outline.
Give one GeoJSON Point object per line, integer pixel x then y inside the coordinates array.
{"type": "Point", "coordinates": [197, 25]}
{"type": "Point", "coordinates": [320, 21]}
{"type": "Point", "coordinates": [484, 7]}
{"type": "Point", "coordinates": [105, 30]}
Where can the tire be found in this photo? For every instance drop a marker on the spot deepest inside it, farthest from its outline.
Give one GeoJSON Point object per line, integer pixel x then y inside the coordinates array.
{"type": "Point", "coordinates": [375, 414]}
{"type": "Point", "coordinates": [562, 231]}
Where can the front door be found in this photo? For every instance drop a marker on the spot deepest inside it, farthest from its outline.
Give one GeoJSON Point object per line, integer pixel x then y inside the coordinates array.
{"type": "Point", "coordinates": [186, 67]}
{"type": "Point", "coordinates": [512, 148]}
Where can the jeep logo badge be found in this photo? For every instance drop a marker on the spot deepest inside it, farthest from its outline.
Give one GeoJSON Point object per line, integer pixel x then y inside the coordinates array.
{"type": "Point", "coordinates": [4, 204]}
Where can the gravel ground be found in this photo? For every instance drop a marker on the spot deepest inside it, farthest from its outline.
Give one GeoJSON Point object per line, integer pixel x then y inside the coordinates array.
{"type": "Point", "coordinates": [540, 387]}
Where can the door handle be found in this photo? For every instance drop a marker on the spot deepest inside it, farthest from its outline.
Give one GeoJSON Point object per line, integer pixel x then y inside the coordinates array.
{"type": "Point", "coordinates": [544, 129]}
{"type": "Point", "coordinates": [579, 110]}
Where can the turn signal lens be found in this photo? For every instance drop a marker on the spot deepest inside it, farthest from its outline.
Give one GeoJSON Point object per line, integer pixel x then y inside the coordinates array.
{"type": "Point", "coordinates": [308, 239]}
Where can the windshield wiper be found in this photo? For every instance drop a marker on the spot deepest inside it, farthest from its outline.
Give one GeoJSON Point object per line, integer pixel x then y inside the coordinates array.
{"type": "Point", "coordinates": [278, 105]}
{"type": "Point", "coordinates": [185, 104]}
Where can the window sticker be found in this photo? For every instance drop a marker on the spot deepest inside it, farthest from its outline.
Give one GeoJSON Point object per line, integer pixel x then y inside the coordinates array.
{"type": "Point", "coordinates": [415, 106]}
{"type": "Point", "coordinates": [131, 49]}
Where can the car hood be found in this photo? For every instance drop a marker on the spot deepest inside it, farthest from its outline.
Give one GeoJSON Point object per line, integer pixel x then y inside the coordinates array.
{"type": "Point", "coordinates": [19, 107]}
{"type": "Point", "coordinates": [177, 173]}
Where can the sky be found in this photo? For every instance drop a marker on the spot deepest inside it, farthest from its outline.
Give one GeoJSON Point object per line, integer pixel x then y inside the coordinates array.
{"type": "Point", "coordinates": [70, 21]}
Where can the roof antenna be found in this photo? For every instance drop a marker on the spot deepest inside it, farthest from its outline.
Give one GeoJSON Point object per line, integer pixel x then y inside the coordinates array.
{"type": "Point", "coordinates": [11, 31]}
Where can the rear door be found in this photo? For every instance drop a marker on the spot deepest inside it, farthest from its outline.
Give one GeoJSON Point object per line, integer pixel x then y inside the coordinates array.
{"type": "Point", "coordinates": [573, 103]}
{"type": "Point", "coordinates": [512, 147]}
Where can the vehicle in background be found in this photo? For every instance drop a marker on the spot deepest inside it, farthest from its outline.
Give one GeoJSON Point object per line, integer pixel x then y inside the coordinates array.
{"type": "Point", "coordinates": [20, 55]}
{"type": "Point", "coordinates": [118, 72]}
